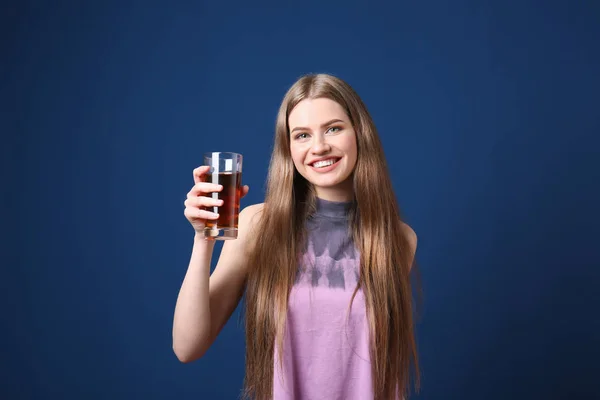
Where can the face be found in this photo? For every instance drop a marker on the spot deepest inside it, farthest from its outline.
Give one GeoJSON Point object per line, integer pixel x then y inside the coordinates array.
{"type": "Point", "coordinates": [323, 147]}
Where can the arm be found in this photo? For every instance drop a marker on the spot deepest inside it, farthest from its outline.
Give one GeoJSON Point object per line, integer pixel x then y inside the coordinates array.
{"type": "Point", "coordinates": [206, 301]}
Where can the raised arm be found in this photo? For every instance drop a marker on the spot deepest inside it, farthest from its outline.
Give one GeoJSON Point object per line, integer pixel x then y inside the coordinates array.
{"type": "Point", "coordinates": [205, 302]}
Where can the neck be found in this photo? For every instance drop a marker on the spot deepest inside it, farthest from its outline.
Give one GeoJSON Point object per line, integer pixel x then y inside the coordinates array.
{"type": "Point", "coordinates": [342, 193]}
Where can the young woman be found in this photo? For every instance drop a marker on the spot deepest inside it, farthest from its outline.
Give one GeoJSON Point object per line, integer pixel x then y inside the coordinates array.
{"type": "Point", "coordinates": [324, 262]}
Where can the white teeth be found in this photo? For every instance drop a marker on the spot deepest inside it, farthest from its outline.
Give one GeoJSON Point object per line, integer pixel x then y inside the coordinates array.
{"type": "Point", "coordinates": [324, 163]}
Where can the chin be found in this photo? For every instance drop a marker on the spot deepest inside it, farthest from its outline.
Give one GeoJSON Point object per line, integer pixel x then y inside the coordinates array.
{"type": "Point", "coordinates": [326, 183]}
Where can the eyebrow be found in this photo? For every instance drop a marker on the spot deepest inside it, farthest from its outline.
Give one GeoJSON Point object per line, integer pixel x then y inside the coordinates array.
{"type": "Point", "coordinates": [333, 121]}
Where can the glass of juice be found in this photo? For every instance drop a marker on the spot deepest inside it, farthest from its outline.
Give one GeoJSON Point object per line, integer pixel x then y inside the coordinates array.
{"type": "Point", "coordinates": [225, 170]}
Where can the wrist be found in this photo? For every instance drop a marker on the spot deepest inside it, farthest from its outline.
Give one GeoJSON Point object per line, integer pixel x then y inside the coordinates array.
{"type": "Point", "coordinates": [200, 239]}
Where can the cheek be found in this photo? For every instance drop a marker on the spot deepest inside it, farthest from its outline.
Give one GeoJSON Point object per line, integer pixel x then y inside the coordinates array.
{"type": "Point", "coordinates": [351, 150]}
{"type": "Point", "coordinates": [352, 158]}
{"type": "Point", "coordinates": [296, 156]}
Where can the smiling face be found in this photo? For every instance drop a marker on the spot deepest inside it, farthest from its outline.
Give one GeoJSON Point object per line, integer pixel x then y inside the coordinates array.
{"type": "Point", "coordinates": [323, 147]}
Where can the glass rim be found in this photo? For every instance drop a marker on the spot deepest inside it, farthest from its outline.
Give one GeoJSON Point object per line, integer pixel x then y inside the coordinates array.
{"type": "Point", "coordinates": [227, 154]}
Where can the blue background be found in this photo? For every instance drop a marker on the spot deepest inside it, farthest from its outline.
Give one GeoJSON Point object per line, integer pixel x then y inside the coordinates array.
{"type": "Point", "coordinates": [489, 114]}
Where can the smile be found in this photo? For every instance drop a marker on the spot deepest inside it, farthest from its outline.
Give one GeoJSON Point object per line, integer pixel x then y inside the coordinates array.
{"type": "Point", "coordinates": [325, 165]}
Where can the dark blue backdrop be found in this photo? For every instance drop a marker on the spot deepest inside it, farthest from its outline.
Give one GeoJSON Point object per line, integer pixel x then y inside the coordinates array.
{"type": "Point", "coordinates": [489, 114]}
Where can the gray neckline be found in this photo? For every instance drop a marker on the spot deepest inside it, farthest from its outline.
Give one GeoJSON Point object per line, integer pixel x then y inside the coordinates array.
{"type": "Point", "coordinates": [332, 209]}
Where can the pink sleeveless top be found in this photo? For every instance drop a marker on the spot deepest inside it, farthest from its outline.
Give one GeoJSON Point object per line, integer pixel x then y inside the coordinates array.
{"type": "Point", "coordinates": [326, 346]}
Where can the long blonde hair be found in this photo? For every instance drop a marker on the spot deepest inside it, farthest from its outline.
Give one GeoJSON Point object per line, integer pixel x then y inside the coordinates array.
{"type": "Point", "coordinates": [385, 262]}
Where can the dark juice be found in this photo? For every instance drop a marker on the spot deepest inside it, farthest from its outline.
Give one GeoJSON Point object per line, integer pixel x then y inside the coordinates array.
{"type": "Point", "coordinates": [231, 193]}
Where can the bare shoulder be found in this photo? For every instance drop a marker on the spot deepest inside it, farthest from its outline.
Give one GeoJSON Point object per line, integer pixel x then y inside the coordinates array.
{"type": "Point", "coordinates": [251, 211]}
{"type": "Point", "coordinates": [411, 236]}
{"type": "Point", "coordinates": [248, 220]}
{"type": "Point", "coordinates": [233, 251]}
{"type": "Point", "coordinates": [250, 216]}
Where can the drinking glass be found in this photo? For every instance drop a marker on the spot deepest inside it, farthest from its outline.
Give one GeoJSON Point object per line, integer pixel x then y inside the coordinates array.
{"type": "Point", "coordinates": [225, 170]}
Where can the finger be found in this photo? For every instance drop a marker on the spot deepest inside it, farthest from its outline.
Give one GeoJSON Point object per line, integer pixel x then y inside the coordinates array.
{"type": "Point", "coordinates": [196, 213]}
{"type": "Point", "coordinates": [208, 214]}
{"type": "Point", "coordinates": [202, 201]}
{"type": "Point", "coordinates": [202, 188]}
{"type": "Point", "coordinates": [198, 172]}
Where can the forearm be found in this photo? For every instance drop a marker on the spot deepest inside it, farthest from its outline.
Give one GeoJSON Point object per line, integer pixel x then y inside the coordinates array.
{"type": "Point", "coordinates": [191, 322]}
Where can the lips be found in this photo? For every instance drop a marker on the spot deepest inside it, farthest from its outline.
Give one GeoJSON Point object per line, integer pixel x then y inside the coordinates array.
{"type": "Point", "coordinates": [326, 169]}
{"type": "Point", "coordinates": [334, 159]}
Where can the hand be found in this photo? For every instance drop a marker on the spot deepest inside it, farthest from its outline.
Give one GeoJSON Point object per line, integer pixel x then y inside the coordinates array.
{"type": "Point", "coordinates": [197, 200]}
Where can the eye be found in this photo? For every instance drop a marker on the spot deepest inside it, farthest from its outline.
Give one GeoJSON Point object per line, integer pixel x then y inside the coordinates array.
{"type": "Point", "coordinates": [302, 135]}
{"type": "Point", "coordinates": [334, 129]}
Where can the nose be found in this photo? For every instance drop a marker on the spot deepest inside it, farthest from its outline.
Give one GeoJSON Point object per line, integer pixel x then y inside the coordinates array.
{"type": "Point", "coordinates": [320, 145]}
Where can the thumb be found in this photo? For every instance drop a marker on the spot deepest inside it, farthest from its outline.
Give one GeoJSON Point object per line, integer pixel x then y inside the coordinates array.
{"type": "Point", "coordinates": [245, 190]}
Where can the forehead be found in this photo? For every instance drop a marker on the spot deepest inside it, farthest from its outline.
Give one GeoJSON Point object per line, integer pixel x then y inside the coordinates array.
{"type": "Point", "coordinates": [314, 112]}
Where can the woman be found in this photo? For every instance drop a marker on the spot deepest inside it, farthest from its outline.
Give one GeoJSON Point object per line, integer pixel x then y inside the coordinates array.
{"type": "Point", "coordinates": [324, 262]}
